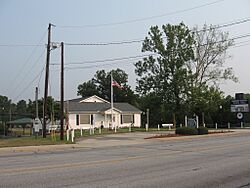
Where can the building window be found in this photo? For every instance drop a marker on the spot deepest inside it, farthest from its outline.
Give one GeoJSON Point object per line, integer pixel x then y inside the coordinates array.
{"type": "Point", "coordinates": [127, 118]}
{"type": "Point", "coordinates": [77, 119]}
{"type": "Point", "coordinates": [84, 119]}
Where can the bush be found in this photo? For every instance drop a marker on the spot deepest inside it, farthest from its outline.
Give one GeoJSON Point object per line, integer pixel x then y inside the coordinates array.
{"type": "Point", "coordinates": [202, 130]}
{"type": "Point", "coordinates": [186, 131]}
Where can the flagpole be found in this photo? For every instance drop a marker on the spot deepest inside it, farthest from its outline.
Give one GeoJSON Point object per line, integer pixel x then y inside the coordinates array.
{"type": "Point", "coordinates": [112, 102]}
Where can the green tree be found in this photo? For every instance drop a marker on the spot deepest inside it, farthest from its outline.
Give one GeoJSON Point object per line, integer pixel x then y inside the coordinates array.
{"type": "Point", "coordinates": [152, 102]}
{"type": "Point", "coordinates": [209, 70]}
{"type": "Point", "coordinates": [166, 73]}
{"type": "Point", "coordinates": [100, 85]}
{"type": "Point", "coordinates": [53, 108]}
{"type": "Point", "coordinates": [4, 108]}
{"type": "Point", "coordinates": [87, 89]}
{"type": "Point", "coordinates": [21, 107]}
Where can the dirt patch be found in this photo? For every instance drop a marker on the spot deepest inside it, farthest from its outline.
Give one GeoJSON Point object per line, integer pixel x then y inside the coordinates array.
{"type": "Point", "coordinates": [169, 135]}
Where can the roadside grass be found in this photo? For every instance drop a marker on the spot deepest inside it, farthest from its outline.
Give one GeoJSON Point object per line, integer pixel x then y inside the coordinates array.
{"type": "Point", "coordinates": [31, 141]}
{"type": "Point", "coordinates": [26, 140]}
{"type": "Point", "coordinates": [105, 131]}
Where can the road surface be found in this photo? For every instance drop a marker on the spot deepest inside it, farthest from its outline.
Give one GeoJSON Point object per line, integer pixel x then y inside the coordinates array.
{"type": "Point", "coordinates": [214, 161]}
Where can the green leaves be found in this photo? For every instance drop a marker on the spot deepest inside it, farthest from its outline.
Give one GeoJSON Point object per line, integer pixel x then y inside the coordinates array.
{"type": "Point", "coordinates": [100, 85]}
{"type": "Point", "coordinates": [166, 74]}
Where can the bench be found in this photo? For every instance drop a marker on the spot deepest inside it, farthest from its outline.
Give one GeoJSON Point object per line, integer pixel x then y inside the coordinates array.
{"type": "Point", "coordinates": [169, 125]}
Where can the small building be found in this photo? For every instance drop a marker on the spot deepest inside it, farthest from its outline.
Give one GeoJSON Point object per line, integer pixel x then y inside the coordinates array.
{"type": "Point", "coordinates": [97, 112]}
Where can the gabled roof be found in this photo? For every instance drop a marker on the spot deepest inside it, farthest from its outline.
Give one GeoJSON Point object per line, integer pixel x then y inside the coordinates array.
{"type": "Point", "coordinates": [126, 107]}
{"type": "Point", "coordinates": [91, 107]}
{"type": "Point", "coordinates": [84, 99]}
{"type": "Point", "coordinates": [22, 121]}
{"type": "Point", "coordinates": [78, 105]}
{"type": "Point", "coordinates": [95, 98]}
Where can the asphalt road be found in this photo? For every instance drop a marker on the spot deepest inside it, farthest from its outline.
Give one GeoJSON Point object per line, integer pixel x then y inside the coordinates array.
{"type": "Point", "coordinates": [217, 161]}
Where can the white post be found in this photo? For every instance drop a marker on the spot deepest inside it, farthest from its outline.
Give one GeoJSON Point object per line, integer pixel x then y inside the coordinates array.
{"type": "Point", "coordinates": [158, 127]}
{"type": "Point", "coordinates": [228, 125]}
{"type": "Point", "coordinates": [72, 135]}
{"type": "Point", "coordinates": [81, 131]}
{"type": "Point", "coordinates": [129, 128]}
{"type": "Point", "coordinates": [100, 130]}
{"type": "Point", "coordinates": [90, 130]}
{"type": "Point", "coordinates": [93, 129]}
{"type": "Point", "coordinates": [197, 122]}
{"type": "Point", "coordinates": [68, 135]}
{"type": "Point", "coordinates": [146, 127]}
{"type": "Point", "coordinates": [216, 126]}
{"type": "Point", "coordinates": [181, 125]}
{"type": "Point", "coordinates": [186, 121]}
{"type": "Point", "coordinates": [241, 124]}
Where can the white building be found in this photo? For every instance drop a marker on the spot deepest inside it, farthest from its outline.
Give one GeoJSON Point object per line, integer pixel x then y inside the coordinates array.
{"type": "Point", "coordinates": [95, 111]}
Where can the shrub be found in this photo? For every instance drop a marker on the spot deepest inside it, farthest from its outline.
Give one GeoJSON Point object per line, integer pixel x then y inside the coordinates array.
{"type": "Point", "coordinates": [186, 131]}
{"type": "Point", "coordinates": [202, 130]}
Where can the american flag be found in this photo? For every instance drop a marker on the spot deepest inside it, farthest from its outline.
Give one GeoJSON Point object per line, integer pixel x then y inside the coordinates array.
{"type": "Point", "coordinates": [115, 84]}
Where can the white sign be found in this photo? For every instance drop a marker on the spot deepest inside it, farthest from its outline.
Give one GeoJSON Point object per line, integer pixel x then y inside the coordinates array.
{"type": "Point", "coordinates": [239, 115]}
{"type": "Point", "coordinates": [37, 125]}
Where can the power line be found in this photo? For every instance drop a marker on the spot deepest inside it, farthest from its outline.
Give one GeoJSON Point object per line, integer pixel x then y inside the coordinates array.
{"type": "Point", "coordinates": [28, 85]}
{"type": "Point", "coordinates": [105, 43]}
{"type": "Point", "coordinates": [141, 56]}
{"type": "Point", "coordinates": [27, 60]}
{"type": "Point", "coordinates": [236, 22]}
{"type": "Point", "coordinates": [29, 71]}
{"type": "Point", "coordinates": [244, 20]}
{"type": "Point", "coordinates": [141, 19]}
{"type": "Point", "coordinates": [38, 84]}
{"type": "Point", "coordinates": [111, 64]}
{"type": "Point", "coordinates": [108, 60]}
{"type": "Point", "coordinates": [20, 45]}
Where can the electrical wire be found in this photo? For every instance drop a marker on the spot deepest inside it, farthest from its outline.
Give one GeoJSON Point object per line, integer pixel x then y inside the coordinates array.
{"type": "Point", "coordinates": [141, 19]}
{"type": "Point", "coordinates": [109, 60]}
{"type": "Point", "coordinates": [244, 20]}
{"type": "Point", "coordinates": [141, 56]}
{"type": "Point", "coordinates": [27, 61]}
{"type": "Point", "coordinates": [22, 80]}
{"type": "Point", "coordinates": [28, 85]}
{"type": "Point", "coordinates": [128, 63]}
{"type": "Point", "coordinates": [20, 45]}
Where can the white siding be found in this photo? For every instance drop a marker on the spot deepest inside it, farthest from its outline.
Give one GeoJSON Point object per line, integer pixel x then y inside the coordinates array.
{"type": "Point", "coordinates": [72, 121]}
{"type": "Point", "coordinates": [94, 99]}
{"type": "Point", "coordinates": [137, 120]}
{"type": "Point", "coordinates": [100, 118]}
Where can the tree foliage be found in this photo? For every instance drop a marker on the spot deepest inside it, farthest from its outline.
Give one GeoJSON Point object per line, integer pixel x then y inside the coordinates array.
{"type": "Point", "coordinates": [100, 85]}
{"type": "Point", "coordinates": [166, 73]}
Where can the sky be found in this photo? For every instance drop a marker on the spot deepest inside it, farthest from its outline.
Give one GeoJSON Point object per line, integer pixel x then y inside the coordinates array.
{"type": "Point", "coordinates": [24, 36]}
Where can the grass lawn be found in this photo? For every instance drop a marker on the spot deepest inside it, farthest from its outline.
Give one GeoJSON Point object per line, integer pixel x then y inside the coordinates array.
{"type": "Point", "coordinates": [30, 141]}
{"type": "Point", "coordinates": [33, 141]}
{"type": "Point", "coordinates": [120, 130]}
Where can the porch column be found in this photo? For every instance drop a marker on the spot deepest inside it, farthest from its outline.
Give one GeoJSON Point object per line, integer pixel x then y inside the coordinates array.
{"type": "Point", "coordinates": [105, 119]}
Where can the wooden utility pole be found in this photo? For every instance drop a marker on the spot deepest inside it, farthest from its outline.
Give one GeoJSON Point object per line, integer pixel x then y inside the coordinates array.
{"type": "Point", "coordinates": [62, 92]}
{"type": "Point", "coordinates": [46, 82]}
{"type": "Point", "coordinates": [147, 119]}
{"type": "Point", "coordinates": [36, 98]}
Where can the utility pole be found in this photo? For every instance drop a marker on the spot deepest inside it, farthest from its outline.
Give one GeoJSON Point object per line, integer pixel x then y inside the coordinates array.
{"type": "Point", "coordinates": [10, 119]}
{"type": "Point", "coordinates": [147, 119]}
{"type": "Point", "coordinates": [36, 97]}
{"type": "Point", "coordinates": [46, 82]}
{"type": "Point", "coordinates": [62, 92]}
